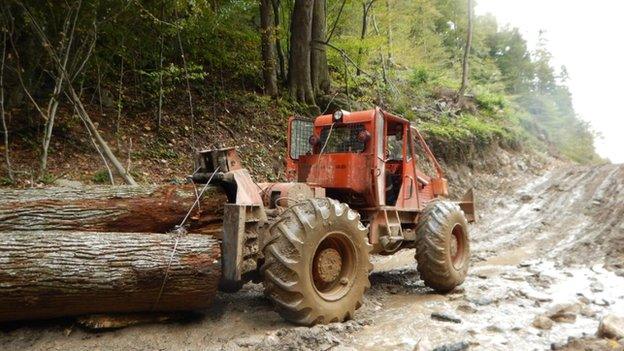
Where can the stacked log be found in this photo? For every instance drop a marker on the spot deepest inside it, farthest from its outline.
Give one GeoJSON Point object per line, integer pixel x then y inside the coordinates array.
{"type": "Point", "coordinates": [70, 252]}
{"type": "Point", "coordinates": [151, 209]}
{"type": "Point", "coordinates": [54, 274]}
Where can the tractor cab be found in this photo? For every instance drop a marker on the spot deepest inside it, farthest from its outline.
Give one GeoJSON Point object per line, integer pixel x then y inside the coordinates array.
{"type": "Point", "coordinates": [367, 159]}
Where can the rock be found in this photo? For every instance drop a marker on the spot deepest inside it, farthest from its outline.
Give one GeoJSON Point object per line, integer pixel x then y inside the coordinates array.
{"type": "Point", "coordinates": [526, 198]}
{"type": "Point", "coordinates": [466, 309]}
{"type": "Point", "coordinates": [601, 302]}
{"type": "Point", "coordinates": [67, 183]}
{"type": "Point", "coordinates": [536, 295]}
{"type": "Point", "coordinates": [564, 313]}
{"type": "Point", "coordinates": [543, 322]}
{"type": "Point", "coordinates": [481, 301]}
{"type": "Point", "coordinates": [446, 317]}
{"type": "Point", "coordinates": [423, 345]}
{"type": "Point", "coordinates": [458, 346]}
{"type": "Point", "coordinates": [588, 312]}
{"type": "Point", "coordinates": [596, 287]}
{"type": "Point", "coordinates": [611, 326]}
{"type": "Point", "coordinates": [494, 329]}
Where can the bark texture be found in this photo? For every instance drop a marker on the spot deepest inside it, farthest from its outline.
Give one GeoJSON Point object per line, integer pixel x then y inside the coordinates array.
{"type": "Point", "coordinates": [299, 74]}
{"type": "Point", "coordinates": [465, 64]}
{"type": "Point", "coordinates": [318, 55]}
{"type": "Point", "coordinates": [156, 209]}
{"type": "Point", "coordinates": [56, 274]}
{"type": "Point", "coordinates": [267, 33]}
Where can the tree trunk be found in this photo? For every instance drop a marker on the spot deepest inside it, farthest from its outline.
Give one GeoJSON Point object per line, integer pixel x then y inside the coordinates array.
{"type": "Point", "coordinates": [278, 43]}
{"type": "Point", "coordinates": [366, 6]}
{"type": "Point", "coordinates": [465, 67]}
{"type": "Point", "coordinates": [5, 129]}
{"type": "Point", "coordinates": [267, 33]}
{"type": "Point", "coordinates": [299, 74]}
{"type": "Point", "coordinates": [318, 55]}
{"type": "Point", "coordinates": [109, 209]}
{"type": "Point", "coordinates": [56, 274]}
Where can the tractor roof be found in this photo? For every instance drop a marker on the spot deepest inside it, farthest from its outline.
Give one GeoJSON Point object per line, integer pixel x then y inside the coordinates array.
{"type": "Point", "coordinates": [358, 117]}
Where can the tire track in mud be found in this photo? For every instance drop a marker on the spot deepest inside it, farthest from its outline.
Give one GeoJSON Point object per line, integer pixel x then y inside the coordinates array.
{"type": "Point", "coordinates": [573, 215]}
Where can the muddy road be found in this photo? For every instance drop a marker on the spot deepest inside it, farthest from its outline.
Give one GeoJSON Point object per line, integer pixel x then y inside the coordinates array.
{"type": "Point", "coordinates": [548, 263]}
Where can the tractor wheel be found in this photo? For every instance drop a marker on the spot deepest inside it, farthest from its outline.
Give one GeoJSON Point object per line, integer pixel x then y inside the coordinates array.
{"type": "Point", "coordinates": [316, 263]}
{"type": "Point", "coordinates": [442, 246]}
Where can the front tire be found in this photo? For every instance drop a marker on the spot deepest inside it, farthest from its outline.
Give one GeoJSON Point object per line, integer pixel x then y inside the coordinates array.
{"type": "Point", "coordinates": [317, 262]}
{"type": "Point", "coordinates": [442, 246]}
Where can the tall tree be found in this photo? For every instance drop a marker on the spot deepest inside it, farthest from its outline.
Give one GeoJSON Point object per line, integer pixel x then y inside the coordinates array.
{"type": "Point", "coordinates": [267, 34]}
{"type": "Point", "coordinates": [318, 56]}
{"type": "Point", "coordinates": [465, 66]}
{"type": "Point", "coordinates": [366, 7]}
{"type": "Point", "coordinates": [299, 73]}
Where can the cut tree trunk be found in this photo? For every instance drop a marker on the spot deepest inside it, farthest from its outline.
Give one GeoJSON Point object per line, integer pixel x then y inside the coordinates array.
{"type": "Point", "coordinates": [56, 274]}
{"type": "Point", "coordinates": [155, 209]}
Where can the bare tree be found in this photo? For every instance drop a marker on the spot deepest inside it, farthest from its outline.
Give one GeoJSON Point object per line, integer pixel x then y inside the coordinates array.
{"type": "Point", "coordinates": [5, 130]}
{"type": "Point", "coordinates": [267, 34]}
{"type": "Point", "coordinates": [188, 89]}
{"type": "Point", "coordinates": [278, 44]}
{"type": "Point", "coordinates": [75, 100]}
{"type": "Point", "coordinates": [366, 7]}
{"type": "Point", "coordinates": [465, 67]}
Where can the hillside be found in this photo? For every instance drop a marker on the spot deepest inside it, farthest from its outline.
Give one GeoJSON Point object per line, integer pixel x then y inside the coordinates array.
{"type": "Point", "coordinates": [161, 81]}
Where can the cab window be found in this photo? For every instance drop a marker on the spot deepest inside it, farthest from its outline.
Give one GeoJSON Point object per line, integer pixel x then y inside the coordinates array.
{"type": "Point", "coordinates": [341, 138]}
{"type": "Point", "coordinates": [394, 142]}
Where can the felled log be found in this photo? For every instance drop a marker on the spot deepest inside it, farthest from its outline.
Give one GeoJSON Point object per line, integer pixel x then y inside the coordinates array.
{"type": "Point", "coordinates": [156, 209]}
{"type": "Point", "coordinates": [56, 274]}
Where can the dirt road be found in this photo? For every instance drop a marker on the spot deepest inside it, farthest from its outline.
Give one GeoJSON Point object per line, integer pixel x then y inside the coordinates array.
{"type": "Point", "coordinates": [548, 262]}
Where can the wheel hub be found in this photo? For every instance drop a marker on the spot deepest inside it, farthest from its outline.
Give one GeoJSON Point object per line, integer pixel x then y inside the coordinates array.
{"type": "Point", "coordinates": [328, 265]}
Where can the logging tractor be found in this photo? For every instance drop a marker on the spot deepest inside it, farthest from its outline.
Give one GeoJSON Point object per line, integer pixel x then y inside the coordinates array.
{"type": "Point", "coordinates": [356, 186]}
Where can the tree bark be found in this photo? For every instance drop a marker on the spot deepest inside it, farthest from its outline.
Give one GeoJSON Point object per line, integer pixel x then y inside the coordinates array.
{"type": "Point", "coordinates": [5, 129]}
{"type": "Point", "coordinates": [278, 44]}
{"type": "Point", "coordinates": [110, 209]}
{"type": "Point", "coordinates": [267, 34]}
{"type": "Point", "coordinates": [56, 274]}
{"type": "Point", "coordinates": [299, 73]}
{"type": "Point", "coordinates": [465, 66]}
{"type": "Point", "coordinates": [318, 55]}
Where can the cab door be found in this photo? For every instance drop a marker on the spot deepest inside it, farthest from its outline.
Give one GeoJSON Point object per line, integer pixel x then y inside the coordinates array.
{"type": "Point", "coordinates": [408, 197]}
{"type": "Point", "coordinates": [379, 163]}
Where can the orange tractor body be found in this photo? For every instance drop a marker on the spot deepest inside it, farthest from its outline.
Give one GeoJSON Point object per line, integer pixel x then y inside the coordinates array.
{"type": "Point", "coordinates": [354, 188]}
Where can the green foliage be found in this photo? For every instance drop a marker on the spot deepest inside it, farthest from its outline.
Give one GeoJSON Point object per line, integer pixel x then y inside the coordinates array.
{"type": "Point", "coordinates": [101, 177]}
{"type": "Point", "coordinates": [491, 102]}
{"type": "Point", "coordinates": [5, 181]}
{"type": "Point", "coordinates": [47, 178]}
{"type": "Point", "coordinates": [412, 51]}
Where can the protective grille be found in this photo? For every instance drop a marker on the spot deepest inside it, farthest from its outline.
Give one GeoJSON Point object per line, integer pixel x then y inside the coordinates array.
{"type": "Point", "coordinates": [300, 132]}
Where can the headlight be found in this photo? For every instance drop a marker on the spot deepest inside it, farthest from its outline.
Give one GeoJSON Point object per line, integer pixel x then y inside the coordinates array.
{"type": "Point", "coordinates": [338, 115]}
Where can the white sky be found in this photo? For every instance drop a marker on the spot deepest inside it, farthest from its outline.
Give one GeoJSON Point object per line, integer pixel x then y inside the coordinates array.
{"type": "Point", "coordinates": [588, 38]}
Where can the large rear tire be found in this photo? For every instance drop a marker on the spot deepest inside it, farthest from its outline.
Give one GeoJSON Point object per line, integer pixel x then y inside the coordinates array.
{"type": "Point", "coordinates": [442, 246]}
{"type": "Point", "coordinates": [317, 262]}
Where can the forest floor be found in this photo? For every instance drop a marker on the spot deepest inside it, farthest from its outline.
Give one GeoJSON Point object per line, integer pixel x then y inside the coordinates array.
{"type": "Point", "coordinates": [547, 265]}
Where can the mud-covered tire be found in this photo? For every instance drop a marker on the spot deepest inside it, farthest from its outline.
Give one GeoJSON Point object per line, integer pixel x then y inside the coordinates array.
{"type": "Point", "coordinates": [442, 246]}
{"type": "Point", "coordinates": [304, 233]}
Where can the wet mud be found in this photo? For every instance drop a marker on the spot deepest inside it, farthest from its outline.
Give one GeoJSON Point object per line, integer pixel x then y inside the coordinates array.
{"type": "Point", "coordinates": [547, 265]}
